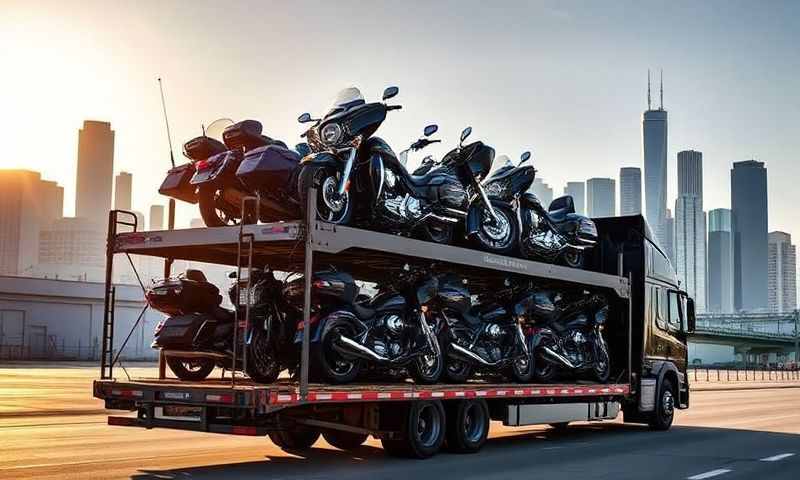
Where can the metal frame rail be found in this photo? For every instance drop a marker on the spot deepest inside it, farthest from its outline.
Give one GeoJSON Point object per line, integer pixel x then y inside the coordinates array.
{"type": "Point", "coordinates": [322, 237]}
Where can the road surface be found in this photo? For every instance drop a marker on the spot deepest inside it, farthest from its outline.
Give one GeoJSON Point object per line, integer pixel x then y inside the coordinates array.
{"type": "Point", "coordinates": [51, 427]}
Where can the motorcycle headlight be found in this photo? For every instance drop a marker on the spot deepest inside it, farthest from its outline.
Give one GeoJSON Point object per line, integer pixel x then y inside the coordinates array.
{"type": "Point", "coordinates": [495, 189]}
{"type": "Point", "coordinates": [331, 133]}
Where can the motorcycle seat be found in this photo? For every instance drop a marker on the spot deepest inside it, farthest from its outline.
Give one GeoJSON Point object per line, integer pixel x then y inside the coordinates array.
{"type": "Point", "coordinates": [223, 315]}
{"type": "Point", "coordinates": [362, 312]}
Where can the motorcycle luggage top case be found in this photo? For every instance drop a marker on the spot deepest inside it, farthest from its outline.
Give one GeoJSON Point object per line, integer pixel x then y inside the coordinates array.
{"type": "Point", "coordinates": [268, 168]}
{"type": "Point", "coordinates": [176, 296]}
{"type": "Point", "coordinates": [178, 183]}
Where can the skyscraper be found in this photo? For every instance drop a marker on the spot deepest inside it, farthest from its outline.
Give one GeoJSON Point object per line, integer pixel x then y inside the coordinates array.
{"type": "Point", "coordinates": [630, 191]}
{"type": "Point", "coordinates": [782, 273]}
{"type": "Point", "coordinates": [578, 192]}
{"type": "Point", "coordinates": [123, 186]}
{"type": "Point", "coordinates": [157, 217]}
{"type": "Point", "coordinates": [600, 197]}
{"type": "Point", "coordinates": [749, 209]}
{"type": "Point", "coordinates": [27, 204]}
{"type": "Point", "coordinates": [720, 261]}
{"type": "Point", "coordinates": [542, 191]}
{"type": "Point", "coordinates": [654, 150]}
{"type": "Point", "coordinates": [95, 171]}
{"type": "Point", "coordinates": [690, 227]}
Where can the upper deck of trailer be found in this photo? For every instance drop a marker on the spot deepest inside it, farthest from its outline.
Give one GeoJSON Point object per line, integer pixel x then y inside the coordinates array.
{"type": "Point", "coordinates": [366, 254]}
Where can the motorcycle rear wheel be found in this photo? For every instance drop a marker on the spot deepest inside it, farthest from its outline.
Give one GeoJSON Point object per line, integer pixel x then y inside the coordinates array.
{"type": "Point", "coordinates": [573, 258]}
{"type": "Point", "coordinates": [211, 202]}
{"type": "Point", "coordinates": [326, 364]}
{"type": "Point", "coordinates": [191, 369]}
{"type": "Point", "coordinates": [439, 234]}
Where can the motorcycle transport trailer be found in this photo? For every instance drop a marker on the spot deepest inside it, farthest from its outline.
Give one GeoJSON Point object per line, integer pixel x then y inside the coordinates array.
{"type": "Point", "coordinates": [409, 419]}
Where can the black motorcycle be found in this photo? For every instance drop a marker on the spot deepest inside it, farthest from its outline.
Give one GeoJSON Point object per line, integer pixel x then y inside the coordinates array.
{"type": "Point", "coordinates": [199, 334]}
{"type": "Point", "coordinates": [390, 331]}
{"type": "Point", "coordinates": [567, 333]}
{"type": "Point", "coordinates": [361, 180]}
{"type": "Point", "coordinates": [485, 337]}
{"type": "Point", "coordinates": [556, 234]}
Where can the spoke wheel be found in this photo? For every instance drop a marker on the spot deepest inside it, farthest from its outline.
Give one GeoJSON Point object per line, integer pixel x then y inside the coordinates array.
{"type": "Point", "coordinates": [497, 235]}
{"type": "Point", "coordinates": [331, 207]}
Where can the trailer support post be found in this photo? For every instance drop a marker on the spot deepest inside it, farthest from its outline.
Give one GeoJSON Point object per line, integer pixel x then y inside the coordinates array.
{"type": "Point", "coordinates": [311, 216]}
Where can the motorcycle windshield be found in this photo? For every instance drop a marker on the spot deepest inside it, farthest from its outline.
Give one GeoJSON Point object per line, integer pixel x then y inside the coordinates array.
{"type": "Point", "coordinates": [217, 127]}
{"type": "Point", "coordinates": [500, 162]}
{"type": "Point", "coordinates": [345, 100]}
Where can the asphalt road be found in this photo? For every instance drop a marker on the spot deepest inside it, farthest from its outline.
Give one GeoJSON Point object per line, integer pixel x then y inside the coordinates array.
{"type": "Point", "coordinates": [50, 427]}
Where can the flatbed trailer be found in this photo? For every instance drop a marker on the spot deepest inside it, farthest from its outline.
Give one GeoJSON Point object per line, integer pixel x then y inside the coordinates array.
{"type": "Point", "coordinates": [294, 412]}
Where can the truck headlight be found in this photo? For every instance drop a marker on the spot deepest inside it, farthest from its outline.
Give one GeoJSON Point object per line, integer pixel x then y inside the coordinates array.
{"type": "Point", "coordinates": [331, 133]}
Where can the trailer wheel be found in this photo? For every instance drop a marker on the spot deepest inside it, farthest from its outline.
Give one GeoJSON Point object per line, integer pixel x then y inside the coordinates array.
{"type": "Point", "coordinates": [467, 426]}
{"type": "Point", "coordinates": [191, 369]}
{"type": "Point", "coordinates": [661, 418]}
{"type": "Point", "coordinates": [298, 438]}
{"type": "Point", "coordinates": [344, 440]}
{"type": "Point", "coordinates": [423, 431]}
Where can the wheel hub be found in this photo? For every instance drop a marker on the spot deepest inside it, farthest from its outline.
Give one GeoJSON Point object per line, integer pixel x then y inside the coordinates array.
{"type": "Point", "coordinates": [331, 197]}
{"type": "Point", "coordinates": [667, 403]}
{"type": "Point", "coordinates": [497, 230]}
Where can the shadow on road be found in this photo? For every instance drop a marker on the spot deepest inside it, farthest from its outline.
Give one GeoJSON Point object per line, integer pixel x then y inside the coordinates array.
{"type": "Point", "coordinates": [629, 451]}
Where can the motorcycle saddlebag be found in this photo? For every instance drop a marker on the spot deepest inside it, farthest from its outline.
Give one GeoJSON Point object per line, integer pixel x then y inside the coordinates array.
{"type": "Point", "coordinates": [178, 333]}
{"type": "Point", "coordinates": [178, 183]}
{"type": "Point", "coordinates": [182, 295]}
{"type": "Point", "coordinates": [268, 168]}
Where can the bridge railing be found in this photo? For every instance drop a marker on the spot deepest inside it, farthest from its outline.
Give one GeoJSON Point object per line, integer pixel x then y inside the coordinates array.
{"type": "Point", "coordinates": [744, 374]}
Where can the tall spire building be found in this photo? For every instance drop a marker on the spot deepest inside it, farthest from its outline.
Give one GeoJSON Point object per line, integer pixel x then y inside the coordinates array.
{"type": "Point", "coordinates": [654, 152]}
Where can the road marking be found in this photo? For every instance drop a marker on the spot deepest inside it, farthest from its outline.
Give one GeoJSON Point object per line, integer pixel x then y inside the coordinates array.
{"type": "Point", "coordinates": [775, 458]}
{"type": "Point", "coordinates": [712, 473]}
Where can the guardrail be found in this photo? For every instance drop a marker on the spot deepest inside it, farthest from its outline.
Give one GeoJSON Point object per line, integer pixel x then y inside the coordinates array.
{"type": "Point", "coordinates": [728, 374]}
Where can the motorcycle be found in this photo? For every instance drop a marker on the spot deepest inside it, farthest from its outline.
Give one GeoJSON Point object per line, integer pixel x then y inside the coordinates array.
{"type": "Point", "coordinates": [198, 333]}
{"type": "Point", "coordinates": [390, 331]}
{"type": "Point", "coordinates": [360, 179]}
{"type": "Point", "coordinates": [567, 333]}
{"type": "Point", "coordinates": [485, 337]}
{"type": "Point", "coordinates": [556, 234]}
{"type": "Point", "coordinates": [427, 162]}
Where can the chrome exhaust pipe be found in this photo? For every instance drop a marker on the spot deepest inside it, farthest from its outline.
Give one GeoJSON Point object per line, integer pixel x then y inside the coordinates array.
{"type": "Point", "coordinates": [557, 357]}
{"type": "Point", "coordinates": [350, 348]}
{"type": "Point", "coordinates": [460, 353]}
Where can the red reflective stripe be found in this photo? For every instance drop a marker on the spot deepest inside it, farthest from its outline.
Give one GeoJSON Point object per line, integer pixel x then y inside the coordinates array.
{"type": "Point", "coordinates": [240, 430]}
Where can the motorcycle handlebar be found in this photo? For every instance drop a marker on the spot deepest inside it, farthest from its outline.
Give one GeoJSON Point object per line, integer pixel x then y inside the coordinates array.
{"type": "Point", "coordinates": [393, 107]}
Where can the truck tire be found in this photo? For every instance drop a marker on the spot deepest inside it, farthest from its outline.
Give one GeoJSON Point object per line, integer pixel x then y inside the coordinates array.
{"type": "Point", "coordinates": [423, 431]}
{"type": "Point", "coordinates": [298, 438]}
{"type": "Point", "coordinates": [344, 440]}
{"type": "Point", "coordinates": [467, 425]}
{"type": "Point", "coordinates": [661, 418]}
{"type": "Point", "coordinates": [191, 369]}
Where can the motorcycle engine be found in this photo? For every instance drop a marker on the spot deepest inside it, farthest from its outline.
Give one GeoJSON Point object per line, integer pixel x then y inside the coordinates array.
{"type": "Point", "coordinates": [493, 340]}
{"type": "Point", "coordinates": [388, 335]}
{"type": "Point", "coordinates": [574, 346]}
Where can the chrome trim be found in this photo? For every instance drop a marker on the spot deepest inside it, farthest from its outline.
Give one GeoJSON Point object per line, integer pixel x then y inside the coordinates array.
{"type": "Point", "coordinates": [348, 167]}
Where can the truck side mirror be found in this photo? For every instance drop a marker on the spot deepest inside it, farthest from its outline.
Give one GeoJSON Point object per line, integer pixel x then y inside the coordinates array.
{"type": "Point", "coordinates": [691, 321]}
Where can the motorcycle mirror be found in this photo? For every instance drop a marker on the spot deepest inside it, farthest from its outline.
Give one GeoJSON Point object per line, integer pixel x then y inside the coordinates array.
{"type": "Point", "coordinates": [430, 130]}
{"type": "Point", "coordinates": [305, 118]}
{"type": "Point", "coordinates": [466, 133]}
{"type": "Point", "coordinates": [525, 156]}
{"type": "Point", "coordinates": [390, 92]}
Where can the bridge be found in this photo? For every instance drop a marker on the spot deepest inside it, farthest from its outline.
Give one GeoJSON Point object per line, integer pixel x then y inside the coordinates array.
{"type": "Point", "coordinates": [751, 334]}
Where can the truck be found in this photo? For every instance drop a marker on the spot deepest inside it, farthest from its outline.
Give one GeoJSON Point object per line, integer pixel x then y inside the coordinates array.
{"type": "Point", "coordinates": [650, 317]}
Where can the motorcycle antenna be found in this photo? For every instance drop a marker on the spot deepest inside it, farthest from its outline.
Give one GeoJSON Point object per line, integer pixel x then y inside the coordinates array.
{"type": "Point", "coordinates": [648, 89]}
{"type": "Point", "coordinates": [166, 121]}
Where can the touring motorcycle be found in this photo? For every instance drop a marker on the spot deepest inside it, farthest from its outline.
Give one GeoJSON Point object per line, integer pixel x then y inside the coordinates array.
{"type": "Point", "coordinates": [361, 180]}
{"type": "Point", "coordinates": [485, 337]}
{"type": "Point", "coordinates": [567, 329]}
{"type": "Point", "coordinates": [389, 331]}
{"type": "Point", "coordinates": [556, 234]}
{"type": "Point", "coordinates": [199, 333]}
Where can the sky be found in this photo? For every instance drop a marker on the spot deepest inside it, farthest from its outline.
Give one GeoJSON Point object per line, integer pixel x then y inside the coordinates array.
{"type": "Point", "coordinates": [566, 80]}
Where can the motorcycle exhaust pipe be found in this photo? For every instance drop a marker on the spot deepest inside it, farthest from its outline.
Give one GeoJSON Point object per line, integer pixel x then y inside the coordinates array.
{"type": "Point", "coordinates": [460, 353]}
{"type": "Point", "coordinates": [558, 358]}
{"type": "Point", "coordinates": [348, 347]}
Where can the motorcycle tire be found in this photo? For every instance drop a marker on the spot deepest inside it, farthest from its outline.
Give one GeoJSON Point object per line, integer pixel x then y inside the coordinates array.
{"type": "Point", "coordinates": [602, 371]}
{"type": "Point", "coordinates": [319, 177]}
{"type": "Point", "coordinates": [428, 369]}
{"type": "Point", "coordinates": [487, 239]}
{"type": "Point", "coordinates": [214, 217]}
{"type": "Point", "coordinates": [327, 365]}
{"type": "Point", "coordinates": [573, 259]}
{"type": "Point", "coordinates": [442, 234]}
{"type": "Point", "coordinates": [523, 374]}
{"type": "Point", "coordinates": [194, 369]}
{"type": "Point", "coordinates": [262, 364]}
{"type": "Point", "coordinates": [543, 370]}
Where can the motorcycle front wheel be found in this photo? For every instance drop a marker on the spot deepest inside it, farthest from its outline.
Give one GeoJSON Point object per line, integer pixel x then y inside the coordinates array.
{"type": "Point", "coordinates": [573, 258]}
{"type": "Point", "coordinates": [428, 368]}
{"type": "Point", "coordinates": [602, 365]}
{"type": "Point", "coordinates": [543, 370]}
{"type": "Point", "coordinates": [331, 207]}
{"type": "Point", "coordinates": [523, 370]}
{"type": "Point", "coordinates": [262, 364]}
{"type": "Point", "coordinates": [497, 236]}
